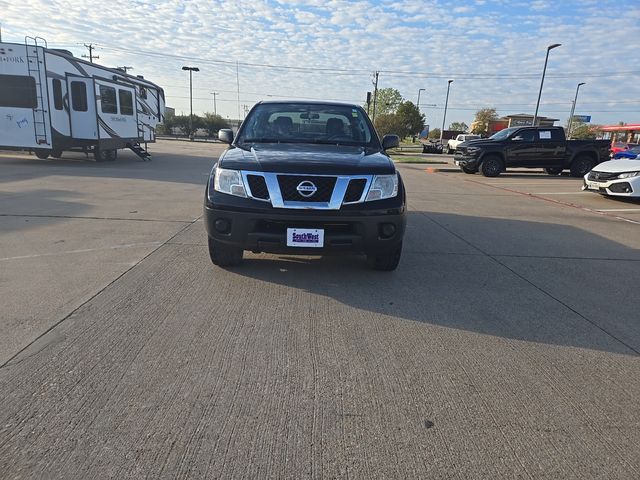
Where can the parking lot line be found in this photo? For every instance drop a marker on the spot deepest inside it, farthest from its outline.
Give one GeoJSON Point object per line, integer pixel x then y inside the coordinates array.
{"type": "Point", "coordinates": [619, 210]}
{"type": "Point", "coordinates": [577, 192]}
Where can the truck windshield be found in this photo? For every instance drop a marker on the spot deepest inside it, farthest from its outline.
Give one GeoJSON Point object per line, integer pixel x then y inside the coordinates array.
{"type": "Point", "coordinates": [502, 134]}
{"type": "Point", "coordinates": [307, 123]}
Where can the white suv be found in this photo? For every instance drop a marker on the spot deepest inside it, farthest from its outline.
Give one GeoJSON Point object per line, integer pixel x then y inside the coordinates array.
{"type": "Point", "coordinates": [453, 144]}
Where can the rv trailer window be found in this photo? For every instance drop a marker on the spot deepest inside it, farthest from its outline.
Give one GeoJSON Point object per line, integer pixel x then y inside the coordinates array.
{"type": "Point", "coordinates": [108, 99]}
{"type": "Point", "coordinates": [57, 94]}
{"type": "Point", "coordinates": [126, 102]}
{"type": "Point", "coordinates": [143, 93]}
{"type": "Point", "coordinates": [18, 91]}
{"type": "Point", "coordinates": [79, 96]}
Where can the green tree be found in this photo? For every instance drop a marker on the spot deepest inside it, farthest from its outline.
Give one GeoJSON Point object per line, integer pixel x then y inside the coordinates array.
{"type": "Point", "coordinates": [388, 123]}
{"type": "Point", "coordinates": [459, 126]}
{"type": "Point", "coordinates": [484, 116]}
{"type": "Point", "coordinates": [411, 119]}
{"type": "Point", "coordinates": [584, 131]}
{"type": "Point", "coordinates": [434, 134]}
{"type": "Point", "coordinates": [182, 122]}
{"type": "Point", "coordinates": [387, 101]}
{"type": "Point", "coordinates": [165, 127]}
{"type": "Point", "coordinates": [212, 123]}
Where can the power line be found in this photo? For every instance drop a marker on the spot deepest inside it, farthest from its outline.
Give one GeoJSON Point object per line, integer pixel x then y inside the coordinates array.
{"type": "Point", "coordinates": [391, 73]}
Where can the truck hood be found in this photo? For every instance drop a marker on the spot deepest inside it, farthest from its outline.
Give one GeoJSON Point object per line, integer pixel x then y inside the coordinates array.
{"type": "Point", "coordinates": [306, 158]}
{"type": "Point", "coordinates": [618, 166]}
{"type": "Point", "coordinates": [478, 142]}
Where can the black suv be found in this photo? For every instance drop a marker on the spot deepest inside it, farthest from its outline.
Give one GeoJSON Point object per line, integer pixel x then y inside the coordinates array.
{"type": "Point", "coordinates": [305, 178]}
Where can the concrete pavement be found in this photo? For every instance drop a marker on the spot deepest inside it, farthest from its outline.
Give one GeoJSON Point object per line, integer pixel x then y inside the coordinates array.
{"type": "Point", "coordinates": [504, 346]}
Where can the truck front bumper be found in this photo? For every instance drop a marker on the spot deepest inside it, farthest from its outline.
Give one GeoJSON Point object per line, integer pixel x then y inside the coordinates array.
{"type": "Point", "coordinates": [366, 231]}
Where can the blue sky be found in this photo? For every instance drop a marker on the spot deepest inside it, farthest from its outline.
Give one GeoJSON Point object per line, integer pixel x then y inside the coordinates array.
{"type": "Point", "coordinates": [328, 49]}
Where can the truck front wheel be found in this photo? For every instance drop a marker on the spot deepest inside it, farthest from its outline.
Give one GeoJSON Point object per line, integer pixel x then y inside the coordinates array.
{"type": "Point", "coordinates": [581, 166]}
{"type": "Point", "coordinates": [491, 166]}
{"type": "Point", "coordinates": [224, 255]}
{"type": "Point", "coordinates": [387, 261]}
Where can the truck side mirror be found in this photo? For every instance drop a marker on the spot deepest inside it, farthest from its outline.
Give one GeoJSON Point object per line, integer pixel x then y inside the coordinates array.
{"type": "Point", "coordinates": [390, 141]}
{"type": "Point", "coordinates": [225, 135]}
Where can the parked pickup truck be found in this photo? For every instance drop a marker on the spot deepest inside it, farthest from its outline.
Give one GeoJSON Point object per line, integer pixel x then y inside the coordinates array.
{"type": "Point", "coordinates": [531, 147]}
{"type": "Point", "coordinates": [452, 145]}
{"type": "Point", "coordinates": [308, 178]}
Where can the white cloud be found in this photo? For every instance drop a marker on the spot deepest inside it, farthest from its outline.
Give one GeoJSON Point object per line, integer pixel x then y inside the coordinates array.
{"type": "Point", "coordinates": [437, 38]}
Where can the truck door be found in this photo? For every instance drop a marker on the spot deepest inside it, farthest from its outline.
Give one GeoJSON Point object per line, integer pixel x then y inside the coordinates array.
{"type": "Point", "coordinates": [82, 103]}
{"type": "Point", "coordinates": [553, 148]}
{"type": "Point", "coordinates": [523, 149]}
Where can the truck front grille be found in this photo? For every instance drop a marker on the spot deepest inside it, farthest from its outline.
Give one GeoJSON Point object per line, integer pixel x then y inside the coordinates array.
{"type": "Point", "coordinates": [258, 187]}
{"type": "Point", "coordinates": [355, 190]}
{"type": "Point", "coordinates": [289, 184]}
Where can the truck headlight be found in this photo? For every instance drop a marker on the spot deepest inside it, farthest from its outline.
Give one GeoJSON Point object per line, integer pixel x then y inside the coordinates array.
{"type": "Point", "coordinates": [383, 186]}
{"type": "Point", "coordinates": [229, 181]}
{"type": "Point", "coordinates": [629, 174]}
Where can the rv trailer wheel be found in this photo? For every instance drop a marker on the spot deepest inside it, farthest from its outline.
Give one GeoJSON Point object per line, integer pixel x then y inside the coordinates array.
{"type": "Point", "coordinates": [56, 153]}
{"type": "Point", "coordinates": [102, 155]}
{"type": "Point", "coordinates": [42, 153]}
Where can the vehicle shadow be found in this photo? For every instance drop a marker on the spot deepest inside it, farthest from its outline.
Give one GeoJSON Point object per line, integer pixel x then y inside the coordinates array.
{"type": "Point", "coordinates": [505, 278]}
{"type": "Point", "coordinates": [195, 161]}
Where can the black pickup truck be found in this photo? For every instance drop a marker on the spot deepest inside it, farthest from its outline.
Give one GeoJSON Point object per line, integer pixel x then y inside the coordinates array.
{"type": "Point", "coordinates": [307, 178]}
{"type": "Point", "coordinates": [531, 147]}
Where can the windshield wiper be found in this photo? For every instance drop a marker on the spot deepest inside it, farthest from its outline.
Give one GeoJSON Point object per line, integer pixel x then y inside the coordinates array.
{"type": "Point", "coordinates": [348, 143]}
{"type": "Point", "coordinates": [271, 140]}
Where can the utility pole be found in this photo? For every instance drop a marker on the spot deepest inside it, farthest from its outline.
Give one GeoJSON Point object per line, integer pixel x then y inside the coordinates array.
{"type": "Point", "coordinates": [91, 55]}
{"type": "Point", "coordinates": [214, 102]}
{"type": "Point", "coordinates": [375, 95]}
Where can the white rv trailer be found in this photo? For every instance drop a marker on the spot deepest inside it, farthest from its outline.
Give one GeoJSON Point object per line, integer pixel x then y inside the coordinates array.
{"type": "Point", "coordinates": [51, 101]}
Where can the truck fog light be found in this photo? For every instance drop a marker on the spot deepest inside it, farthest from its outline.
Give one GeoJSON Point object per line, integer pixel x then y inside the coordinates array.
{"type": "Point", "coordinates": [387, 230]}
{"type": "Point", "coordinates": [222, 225]}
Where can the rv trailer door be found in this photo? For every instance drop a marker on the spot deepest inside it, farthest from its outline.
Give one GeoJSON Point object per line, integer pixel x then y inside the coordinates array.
{"type": "Point", "coordinates": [82, 103]}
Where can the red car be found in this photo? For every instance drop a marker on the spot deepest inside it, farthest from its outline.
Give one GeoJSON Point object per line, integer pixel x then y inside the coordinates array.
{"type": "Point", "coordinates": [621, 146]}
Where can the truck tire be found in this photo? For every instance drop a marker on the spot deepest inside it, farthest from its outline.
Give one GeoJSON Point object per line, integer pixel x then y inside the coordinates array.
{"type": "Point", "coordinates": [581, 165]}
{"type": "Point", "coordinates": [553, 170]}
{"type": "Point", "coordinates": [491, 166]}
{"type": "Point", "coordinates": [386, 262]}
{"type": "Point", "coordinates": [224, 255]}
{"type": "Point", "coordinates": [42, 153]}
{"type": "Point", "coordinates": [470, 171]}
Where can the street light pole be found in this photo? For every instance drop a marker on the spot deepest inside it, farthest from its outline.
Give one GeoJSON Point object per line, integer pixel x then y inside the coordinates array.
{"type": "Point", "coordinates": [191, 70]}
{"type": "Point", "coordinates": [544, 70]}
{"type": "Point", "coordinates": [446, 103]}
{"type": "Point", "coordinates": [573, 110]}
{"type": "Point", "coordinates": [418, 104]}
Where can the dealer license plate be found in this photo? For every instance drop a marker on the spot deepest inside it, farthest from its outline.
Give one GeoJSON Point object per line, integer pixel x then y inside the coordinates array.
{"type": "Point", "coordinates": [305, 237]}
{"type": "Point", "coordinates": [593, 185]}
